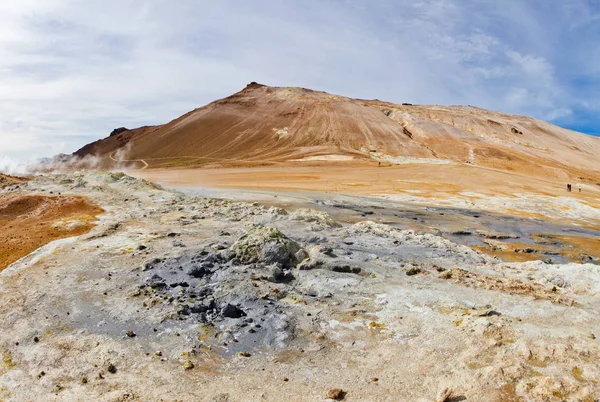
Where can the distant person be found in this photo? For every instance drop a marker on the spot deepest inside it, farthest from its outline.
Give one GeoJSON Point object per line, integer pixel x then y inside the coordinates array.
{"type": "Point", "coordinates": [569, 188]}
{"type": "Point", "coordinates": [579, 187]}
{"type": "Point", "coordinates": [379, 164]}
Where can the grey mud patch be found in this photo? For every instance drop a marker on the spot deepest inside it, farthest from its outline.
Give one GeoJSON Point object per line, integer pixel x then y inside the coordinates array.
{"type": "Point", "coordinates": [210, 289]}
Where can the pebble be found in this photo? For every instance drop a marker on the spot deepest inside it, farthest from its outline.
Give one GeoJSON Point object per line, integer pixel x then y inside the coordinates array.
{"type": "Point", "coordinates": [130, 334]}
{"type": "Point", "coordinates": [188, 365]}
{"type": "Point", "coordinates": [336, 393]}
{"type": "Point", "coordinates": [111, 368]}
{"type": "Point", "coordinates": [245, 354]}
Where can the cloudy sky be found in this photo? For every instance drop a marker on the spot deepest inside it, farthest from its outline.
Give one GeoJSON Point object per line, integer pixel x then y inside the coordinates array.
{"type": "Point", "coordinates": [71, 71]}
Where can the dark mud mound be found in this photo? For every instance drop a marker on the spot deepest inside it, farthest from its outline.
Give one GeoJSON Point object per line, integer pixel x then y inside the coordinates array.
{"type": "Point", "coordinates": [215, 289]}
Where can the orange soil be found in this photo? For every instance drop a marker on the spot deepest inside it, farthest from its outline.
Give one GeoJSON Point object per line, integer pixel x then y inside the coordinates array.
{"type": "Point", "coordinates": [28, 222]}
{"type": "Point", "coordinates": [368, 179]}
{"type": "Point", "coordinates": [6, 180]}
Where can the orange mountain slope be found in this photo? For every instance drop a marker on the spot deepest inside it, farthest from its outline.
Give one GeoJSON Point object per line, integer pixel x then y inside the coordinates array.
{"type": "Point", "coordinates": [266, 125]}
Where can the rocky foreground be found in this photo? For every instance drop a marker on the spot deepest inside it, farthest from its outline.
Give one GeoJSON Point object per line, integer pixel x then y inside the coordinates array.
{"type": "Point", "coordinates": [183, 298]}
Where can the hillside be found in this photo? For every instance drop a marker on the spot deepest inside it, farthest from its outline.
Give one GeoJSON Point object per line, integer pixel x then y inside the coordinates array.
{"type": "Point", "coordinates": [265, 125]}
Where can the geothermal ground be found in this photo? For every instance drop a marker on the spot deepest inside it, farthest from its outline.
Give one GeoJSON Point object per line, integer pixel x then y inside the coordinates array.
{"type": "Point", "coordinates": [196, 295]}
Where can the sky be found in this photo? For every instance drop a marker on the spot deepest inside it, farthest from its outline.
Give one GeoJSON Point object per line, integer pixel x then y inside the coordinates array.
{"type": "Point", "coordinates": [71, 71]}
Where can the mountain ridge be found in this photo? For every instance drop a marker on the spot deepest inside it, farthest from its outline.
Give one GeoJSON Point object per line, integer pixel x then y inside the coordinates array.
{"type": "Point", "coordinates": [266, 125]}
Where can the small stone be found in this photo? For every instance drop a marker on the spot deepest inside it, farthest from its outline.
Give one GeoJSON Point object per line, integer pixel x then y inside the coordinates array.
{"type": "Point", "coordinates": [188, 365]}
{"type": "Point", "coordinates": [36, 339]}
{"type": "Point", "coordinates": [158, 353]}
{"type": "Point", "coordinates": [413, 271]}
{"type": "Point", "coordinates": [130, 334]}
{"type": "Point", "coordinates": [336, 393]}
{"type": "Point", "coordinates": [111, 368]}
{"type": "Point", "coordinates": [84, 380]}
{"type": "Point", "coordinates": [245, 354]}
{"type": "Point", "coordinates": [285, 379]}
{"type": "Point", "coordinates": [445, 275]}
{"type": "Point", "coordinates": [374, 379]}
{"type": "Point", "coordinates": [443, 395]}
{"type": "Point", "coordinates": [232, 311]}
{"type": "Point", "coordinates": [592, 336]}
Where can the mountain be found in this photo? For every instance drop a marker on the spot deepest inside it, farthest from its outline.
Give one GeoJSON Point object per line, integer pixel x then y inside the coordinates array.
{"type": "Point", "coordinates": [268, 125]}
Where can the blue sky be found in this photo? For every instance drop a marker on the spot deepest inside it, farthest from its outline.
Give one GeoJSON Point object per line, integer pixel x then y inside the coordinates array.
{"type": "Point", "coordinates": [71, 71]}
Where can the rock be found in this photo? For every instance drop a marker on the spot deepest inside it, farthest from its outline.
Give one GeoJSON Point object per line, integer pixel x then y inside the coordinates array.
{"type": "Point", "coordinates": [345, 268]}
{"type": "Point", "coordinates": [301, 255]}
{"type": "Point", "coordinates": [200, 271]}
{"type": "Point", "coordinates": [245, 354]}
{"type": "Point", "coordinates": [443, 395]}
{"type": "Point", "coordinates": [413, 271]}
{"type": "Point", "coordinates": [326, 249]}
{"type": "Point", "coordinates": [156, 282]}
{"type": "Point", "coordinates": [320, 220]}
{"type": "Point", "coordinates": [130, 334]}
{"type": "Point", "coordinates": [178, 243]}
{"type": "Point", "coordinates": [118, 131]}
{"type": "Point", "coordinates": [267, 245]}
{"type": "Point", "coordinates": [231, 311]}
{"type": "Point", "coordinates": [445, 275]}
{"type": "Point", "coordinates": [111, 368]}
{"type": "Point", "coordinates": [308, 264]}
{"type": "Point", "coordinates": [188, 365]}
{"type": "Point", "coordinates": [336, 394]}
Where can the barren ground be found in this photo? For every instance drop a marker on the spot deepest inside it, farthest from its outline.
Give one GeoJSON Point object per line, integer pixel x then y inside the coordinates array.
{"type": "Point", "coordinates": [187, 297]}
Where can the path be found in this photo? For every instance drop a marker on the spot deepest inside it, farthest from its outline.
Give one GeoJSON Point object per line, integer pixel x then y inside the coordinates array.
{"type": "Point", "coordinates": [129, 160]}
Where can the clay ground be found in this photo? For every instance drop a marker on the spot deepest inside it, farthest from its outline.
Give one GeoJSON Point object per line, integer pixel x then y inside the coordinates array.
{"type": "Point", "coordinates": [27, 222]}
{"type": "Point", "coordinates": [429, 181]}
{"type": "Point", "coordinates": [462, 186]}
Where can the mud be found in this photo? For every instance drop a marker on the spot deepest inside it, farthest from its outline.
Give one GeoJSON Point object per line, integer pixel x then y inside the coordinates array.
{"type": "Point", "coordinates": [511, 236]}
{"type": "Point", "coordinates": [27, 222]}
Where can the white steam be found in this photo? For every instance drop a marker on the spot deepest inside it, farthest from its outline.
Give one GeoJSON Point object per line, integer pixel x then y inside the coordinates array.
{"type": "Point", "coordinates": [63, 163]}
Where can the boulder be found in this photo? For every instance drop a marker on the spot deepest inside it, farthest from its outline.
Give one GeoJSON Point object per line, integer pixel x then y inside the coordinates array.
{"type": "Point", "coordinates": [265, 245]}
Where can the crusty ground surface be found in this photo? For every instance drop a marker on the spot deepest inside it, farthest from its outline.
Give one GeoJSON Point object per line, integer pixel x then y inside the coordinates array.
{"type": "Point", "coordinates": [382, 313]}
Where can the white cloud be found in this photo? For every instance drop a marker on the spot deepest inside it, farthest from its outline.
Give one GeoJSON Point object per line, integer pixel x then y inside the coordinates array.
{"type": "Point", "coordinates": [71, 71]}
